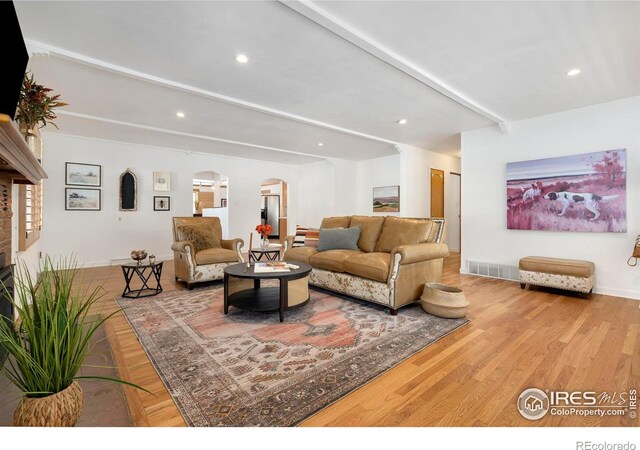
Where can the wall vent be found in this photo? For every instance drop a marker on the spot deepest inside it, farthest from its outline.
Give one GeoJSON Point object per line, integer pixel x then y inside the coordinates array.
{"type": "Point", "coordinates": [493, 270]}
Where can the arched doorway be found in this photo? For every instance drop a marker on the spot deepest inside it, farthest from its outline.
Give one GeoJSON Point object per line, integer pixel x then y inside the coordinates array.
{"type": "Point", "coordinates": [274, 199]}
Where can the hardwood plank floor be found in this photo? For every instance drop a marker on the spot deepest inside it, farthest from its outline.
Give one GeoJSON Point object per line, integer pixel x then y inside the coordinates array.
{"type": "Point", "coordinates": [517, 339]}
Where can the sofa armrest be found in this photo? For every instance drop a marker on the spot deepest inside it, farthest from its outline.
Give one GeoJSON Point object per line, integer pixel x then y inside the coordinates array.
{"type": "Point", "coordinates": [288, 242]}
{"type": "Point", "coordinates": [182, 247]}
{"type": "Point", "coordinates": [414, 253]}
{"type": "Point", "coordinates": [235, 245]}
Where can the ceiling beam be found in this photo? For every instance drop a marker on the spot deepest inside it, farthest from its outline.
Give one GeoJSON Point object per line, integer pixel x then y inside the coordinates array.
{"type": "Point", "coordinates": [311, 11]}
{"type": "Point", "coordinates": [184, 134]}
{"type": "Point", "coordinates": [40, 48]}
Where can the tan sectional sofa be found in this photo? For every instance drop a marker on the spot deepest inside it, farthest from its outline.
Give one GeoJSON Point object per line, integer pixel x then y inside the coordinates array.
{"type": "Point", "coordinates": [396, 257]}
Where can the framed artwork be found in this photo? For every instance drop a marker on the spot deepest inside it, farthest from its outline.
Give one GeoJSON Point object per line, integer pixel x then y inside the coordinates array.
{"type": "Point", "coordinates": [223, 202]}
{"type": "Point", "coordinates": [78, 199]}
{"type": "Point", "coordinates": [128, 191]}
{"type": "Point", "coordinates": [386, 199]}
{"type": "Point", "coordinates": [586, 192]}
{"type": "Point", "coordinates": [162, 181]}
{"type": "Point", "coordinates": [161, 203]}
{"type": "Point", "coordinates": [78, 174]}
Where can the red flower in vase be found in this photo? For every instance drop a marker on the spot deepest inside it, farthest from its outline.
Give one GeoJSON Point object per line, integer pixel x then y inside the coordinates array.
{"type": "Point", "coordinates": [264, 230]}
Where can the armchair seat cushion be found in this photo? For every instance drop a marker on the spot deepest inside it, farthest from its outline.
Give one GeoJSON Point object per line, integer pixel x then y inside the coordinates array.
{"type": "Point", "coordinates": [374, 266]}
{"type": "Point", "coordinates": [301, 254]}
{"type": "Point", "coordinates": [215, 255]}
{"type": "Point", "coordinates": [332, 260]}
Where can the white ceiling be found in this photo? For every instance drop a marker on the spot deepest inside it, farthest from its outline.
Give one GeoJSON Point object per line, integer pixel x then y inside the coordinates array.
{"type": "Point", "coordinates": [127, 67]}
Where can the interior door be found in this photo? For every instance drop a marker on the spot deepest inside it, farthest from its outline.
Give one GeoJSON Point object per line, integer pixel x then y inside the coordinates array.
{"type": "Point", "coordinates": [455, 215]}
{"type": "Point", "coordinates": [437, 193]}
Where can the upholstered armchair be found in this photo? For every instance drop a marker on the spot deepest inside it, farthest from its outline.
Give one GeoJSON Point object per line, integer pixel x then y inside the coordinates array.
{"type": "Point", "coordinates": [199, 252]}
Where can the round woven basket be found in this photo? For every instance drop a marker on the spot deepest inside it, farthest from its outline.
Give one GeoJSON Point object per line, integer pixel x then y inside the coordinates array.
{"type": "Point", "coordinates": [57, 410]}
{"type": "Point", "coordinates": [444, 301]}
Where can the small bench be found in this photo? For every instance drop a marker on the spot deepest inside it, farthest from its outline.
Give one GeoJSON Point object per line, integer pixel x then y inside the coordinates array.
{"type": "Point", "coordinates": [568, 274]}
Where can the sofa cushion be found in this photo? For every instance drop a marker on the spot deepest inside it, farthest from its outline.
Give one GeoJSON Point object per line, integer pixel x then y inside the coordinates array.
{"type": "Point", "coordinates": [401, 231]}
{"type": "Point", "coordinates": [332, 260]}
{"type": "Point", "coordinates": [374, 266]}
{"type": "Point", "coordinates": [336, 222]}
{"type": "Point", "coordinates": [216, 255]}
{"type": "Point", "coordinates": [338, 238]}
{"type": "Point", "coordinates": [201, 235]}
{"type": "Point", "coordinates": [559, 266]}
{"type": "Point", "coordinates": [370, 229]}
{"type": "Point", "coordinates": [301, 254]}
{"type": "Point", "coordinates": [312, 237]}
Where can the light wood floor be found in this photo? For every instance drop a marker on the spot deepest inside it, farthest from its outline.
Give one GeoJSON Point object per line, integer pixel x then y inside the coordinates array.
{"type": "Point", "coordinates": [516, 339]}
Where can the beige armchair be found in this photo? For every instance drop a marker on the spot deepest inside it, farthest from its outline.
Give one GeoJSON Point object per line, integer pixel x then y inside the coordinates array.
{"type": "Point", "coordinates": [199, 252]}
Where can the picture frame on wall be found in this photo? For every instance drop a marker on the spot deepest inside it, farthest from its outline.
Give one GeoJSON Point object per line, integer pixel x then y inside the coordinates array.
{"type": "Point", "coordinates": [386, 199]}
{"type": "Point", "coordinates": [161, 203]}
{"type": "Point", "coordinates": [80, 174]}
{"type": "Point", "coordinates": [162, 181]}
{"type": "Point", "coordinates": [83, 199]}
{"type": "Point", "coordinates": [223, 203]}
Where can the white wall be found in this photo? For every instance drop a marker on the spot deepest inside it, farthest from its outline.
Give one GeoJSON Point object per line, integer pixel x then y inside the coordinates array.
{"type": "Point", "coordinates": [98, 237]}
{"type": "Point", "coordinates": [375, 173]}
{"type": "Point", "coordinates": [485, 152]}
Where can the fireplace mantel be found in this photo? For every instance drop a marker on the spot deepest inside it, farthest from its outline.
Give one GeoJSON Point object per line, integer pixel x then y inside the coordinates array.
{"type": "Point", "coordinates": [16, 156]}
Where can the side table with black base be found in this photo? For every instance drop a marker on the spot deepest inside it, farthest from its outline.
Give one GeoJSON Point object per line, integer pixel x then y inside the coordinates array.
{"type": "Point", "coordinates": [271, 254]}
{"type": "Point", "coordinates": [145, 273]}
{"type": "Point", "coordinates": [242, 289]}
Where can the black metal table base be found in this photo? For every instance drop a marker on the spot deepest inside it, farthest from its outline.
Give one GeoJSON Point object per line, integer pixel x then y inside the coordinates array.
{"type": "Point", "coordinates": [257, 255]}
{"type": "Point", "coordinates": [144, 273]}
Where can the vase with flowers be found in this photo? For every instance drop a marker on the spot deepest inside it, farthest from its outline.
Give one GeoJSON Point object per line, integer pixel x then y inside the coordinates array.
{"type": "Point", "coordinates": [36, 109]}
{"type": "Point", "coordinates": [264, 231]}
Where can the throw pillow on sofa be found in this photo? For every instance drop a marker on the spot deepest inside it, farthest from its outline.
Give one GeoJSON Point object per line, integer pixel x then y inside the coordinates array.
{"type": "Point", "coordinates": [311, 238]}
{"type": "Point", "coordinates": [200, 235]}
{"type": "Point", "coordinates": [338, 239]}
{"type": "Point", "coordinates": [301, 233]}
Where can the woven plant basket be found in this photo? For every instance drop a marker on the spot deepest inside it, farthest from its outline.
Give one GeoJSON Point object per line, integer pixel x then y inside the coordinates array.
{"type": "Point", "coordinates": [57, 410]}
{"type": "Point", "coordinates": [444, 301]}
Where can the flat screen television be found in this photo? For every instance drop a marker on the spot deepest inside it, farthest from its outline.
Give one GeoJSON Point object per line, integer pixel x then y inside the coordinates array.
{"type": "Point", "coordinates": [15, 58]}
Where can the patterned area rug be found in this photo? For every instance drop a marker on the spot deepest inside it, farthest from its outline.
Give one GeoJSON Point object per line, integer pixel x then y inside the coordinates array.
{"type": "Point", "coordinates": [248, 369]}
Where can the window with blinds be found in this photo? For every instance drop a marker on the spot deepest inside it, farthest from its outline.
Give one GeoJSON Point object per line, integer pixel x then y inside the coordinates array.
{"type": "Point", "coordinates": [30, 208]}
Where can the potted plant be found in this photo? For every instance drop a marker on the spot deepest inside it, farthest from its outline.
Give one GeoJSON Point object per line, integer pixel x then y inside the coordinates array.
{"type": "Point", "coordinates": [48, 344]}
{"type": "Point", "coordinates": [36, 109]}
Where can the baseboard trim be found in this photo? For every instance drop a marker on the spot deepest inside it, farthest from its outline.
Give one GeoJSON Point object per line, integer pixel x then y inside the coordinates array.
{"type": "Point", "coordinates": [622, 293]}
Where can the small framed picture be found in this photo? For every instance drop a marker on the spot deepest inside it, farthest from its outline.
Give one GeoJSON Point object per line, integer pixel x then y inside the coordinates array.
{"type": "Point", "coordinates": [386, 199]}
{"type": "Point", "coordinates": [161, 203]}
{"type": "Point", "coordinates": [78, 174]}
{"type": "Point", "coordinates": [223, 202]}
{"type": "Point", "coordinates": [77, 199]}
{"type": "Point", "coordinates": [162, 181]}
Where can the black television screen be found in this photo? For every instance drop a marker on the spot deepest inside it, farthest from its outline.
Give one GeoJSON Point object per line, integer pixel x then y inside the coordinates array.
{"type": "Point", "coordinates": [15, 54]}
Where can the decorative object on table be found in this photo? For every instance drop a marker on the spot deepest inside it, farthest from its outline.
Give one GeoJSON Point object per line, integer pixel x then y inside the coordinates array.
{"type": "Point", "coordinates": [567, 274]}
{"type": "Point", "coordinates": [584, 192]}
{"type": "Point", "coordinates": [161, 203]}
{"type": "Point", "coordinates": [128, 191]}
{"type": "Point", "coordinates": [162, 181]}
{"type": "Point", "coordinates": [444, 301]}
{"type": "Point", "coordinates": [264, 231]}
{"type": "Point", "coordinates": [79, 174]}
{"type": "Point", "coordinates": [144, 273]}
{"type": "Point", "coordinates": [386, 199]}
{"type": "Point", "coordinates": [46, 357]}
{"type": "Point", "coordinates": [138, 255]}
{"type": "Point", "coordinates": [335, 344]}
{"type": "Point", "coordinates": [77, 199]}
{"type": "Point", "coordinates": [250, 247]}
{"type": "Point", "coordinates": [152, 259]}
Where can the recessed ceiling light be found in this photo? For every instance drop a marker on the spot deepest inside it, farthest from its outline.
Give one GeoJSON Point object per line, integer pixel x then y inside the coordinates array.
{"type": "Point", "coordinates": [242, 58]}
{"type": "Point", "coordinates": [320, 144]}
{"type": "Point", "coordinates": [573, 72]}
{"type": "Point", "coordinates": [180, 114]}
{"type": "Point", "coordinates": [402, 122]}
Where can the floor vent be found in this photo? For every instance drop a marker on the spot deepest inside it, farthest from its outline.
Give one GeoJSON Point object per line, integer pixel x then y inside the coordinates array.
{"type": "Point", "coordinates": [493, 270]}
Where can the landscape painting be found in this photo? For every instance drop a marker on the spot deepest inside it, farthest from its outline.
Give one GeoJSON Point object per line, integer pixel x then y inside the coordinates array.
{"type": "Point", "coordinates": [83, 174]}
{"type": "Point", "coordinates": [584, 192]}
{"type": "Point", "coordinates": [82, 199]}
{"type": "Point", "coordinates": [386, 199]}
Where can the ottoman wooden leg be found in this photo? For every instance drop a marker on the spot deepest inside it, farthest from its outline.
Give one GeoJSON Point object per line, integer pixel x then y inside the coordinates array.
{"type": "Point", "coordinates": [523, 285]}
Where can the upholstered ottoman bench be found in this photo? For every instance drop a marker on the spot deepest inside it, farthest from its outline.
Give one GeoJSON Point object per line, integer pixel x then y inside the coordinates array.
{"type": "Point", "coordinates": [568, 274]}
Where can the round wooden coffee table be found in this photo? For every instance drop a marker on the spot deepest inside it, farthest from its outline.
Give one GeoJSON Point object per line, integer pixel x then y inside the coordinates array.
{"type": "Point", "coordinates": [242, 289]}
